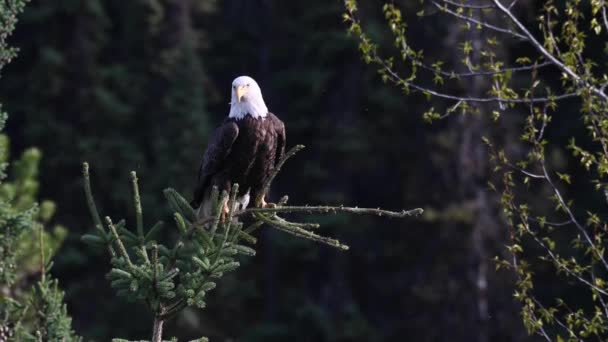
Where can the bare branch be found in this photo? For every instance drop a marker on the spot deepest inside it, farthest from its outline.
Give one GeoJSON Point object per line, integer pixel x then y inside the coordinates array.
{"type": "Point", "coordinates": [398, 80]}
{"type": "Point", "coordinates": [573, 75]}
{"type": "Point", "coordinates": [266, 186]}
{"type": "Point", "coordinates": [91, 204]}
{"type": "Point", "coordinates": [563, 267]}
{"type": "Point", "coordinates": [287, 227]}
{"type": "Point", "coordinates": [570, 214]}
{"type": "Point", "coordinates": [557, 320]}
{"type": "Point", "coordinates": [605, 18]}
{"type": "Point", "coordinates": [334, 210]}
{"type": "Point", "coordinates": [467, 6]}
{"type": "Point", "coordinates": [479, 22]}
{"type": "Point", "coordinates": [475, 73]}
{"type": "Point", "coordinates": [527, 173]}
{"type": "Point", "coordinates": [553, 224]}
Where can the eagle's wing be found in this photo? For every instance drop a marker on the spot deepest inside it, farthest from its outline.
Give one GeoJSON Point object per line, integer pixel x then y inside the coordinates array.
{"type": "Point", "coordinates": [218, 149]}
{"type": "Point", "coordinates": [281, 139]}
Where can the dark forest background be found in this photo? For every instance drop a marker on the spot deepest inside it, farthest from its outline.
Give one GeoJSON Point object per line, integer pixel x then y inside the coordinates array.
{"type": "Point", "coordinates": [140, 84]}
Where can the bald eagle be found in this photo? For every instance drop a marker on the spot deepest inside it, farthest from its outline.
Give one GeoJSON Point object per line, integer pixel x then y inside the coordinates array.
{"type": "Point", "coordinates": [244, 149]}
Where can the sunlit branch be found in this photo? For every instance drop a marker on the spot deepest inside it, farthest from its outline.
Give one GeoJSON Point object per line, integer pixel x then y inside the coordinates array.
{"type": "Point", "coordinates": [477, 73]}
{"type": "Point", "coordinates": [557, 320]}
{"type": "Point", "coordinates": [491, 72]}
{"type": "Point", "coordinates": [513, 3]}
{"type": "Point", "coordinates": [467, 6]}
{"type": "Point", "coordinates": [400, 81]}
{"type": "Point", "coordinates": [605, 18]}
{"type": "Point", "coordinates": [318, 210]}
{"type": "Point", "coordinates": [563, 267]}
{"type": "Point", "coordinates": [524, 172]}
{"type": "Point", "coordinates": [287, 227]}
{"type": "Point", "coordinates": [602, 301]}
{"type": "Point", "coordinates": [573, 75]}
{"type": "Point", "coordinates": [479, 22]}
{"type": "Point", "coordinates": [551, 40]}
{"type": "Point", "coordinates": [552, 224]}
{"type": "Point", "coordinates": [557, 262]}
{"type": "Point", "coordinates": [573, 218]}
{"type": "Point", "coordinates": [516, 267]}
{"type": "Point", "coordinates": [336, 209]}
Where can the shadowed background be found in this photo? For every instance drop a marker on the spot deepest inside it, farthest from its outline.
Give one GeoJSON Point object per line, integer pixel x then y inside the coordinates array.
{"type": "Point", "coordinates": [139, 85]}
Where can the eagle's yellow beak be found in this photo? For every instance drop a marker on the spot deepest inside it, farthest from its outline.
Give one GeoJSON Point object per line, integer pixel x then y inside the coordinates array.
{"type": "Point", "coordinates": [240, 92]}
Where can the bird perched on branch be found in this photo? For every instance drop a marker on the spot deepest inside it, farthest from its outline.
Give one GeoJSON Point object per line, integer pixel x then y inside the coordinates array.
{"type": "Point", "coordinates": [244, 149]}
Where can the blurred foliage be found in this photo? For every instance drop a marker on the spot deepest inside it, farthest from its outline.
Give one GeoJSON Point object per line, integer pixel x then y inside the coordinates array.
{"type": "Point", "coordinates": [21, 191]}
{"type": "Point", "coordinates": [31, 309]}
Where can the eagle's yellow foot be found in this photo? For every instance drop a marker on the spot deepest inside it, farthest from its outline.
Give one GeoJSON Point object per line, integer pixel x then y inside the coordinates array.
{"type": "Point", "coordinates": [267, 205]}
{"type": "Point", "coordinates": [224, 214]}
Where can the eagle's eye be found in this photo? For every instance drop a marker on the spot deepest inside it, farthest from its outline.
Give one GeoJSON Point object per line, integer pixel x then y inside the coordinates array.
{"type": "Point", "coordinates": [248, 84]}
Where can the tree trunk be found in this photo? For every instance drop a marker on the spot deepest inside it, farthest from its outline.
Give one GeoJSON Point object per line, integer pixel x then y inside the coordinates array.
{"type": "Point", "coordinates": [157, 333]}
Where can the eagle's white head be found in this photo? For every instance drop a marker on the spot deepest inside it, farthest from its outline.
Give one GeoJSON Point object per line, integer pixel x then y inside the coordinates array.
{"type": "Point", "coordinates": [247, 99]}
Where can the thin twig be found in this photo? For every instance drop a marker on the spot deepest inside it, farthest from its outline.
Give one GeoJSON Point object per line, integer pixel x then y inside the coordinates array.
{"type": "Point", "coordinates": [467, 6]}
{"type": "Point", "coordinates": [561, 265]}
{"type": "Point", "coordinates": [283, 225]}
{"type": "Point", "coordinates": [479, 22]}
{"type": "Point", "coordinates": [139, 216]}
{"type": "Point", "coordinates": [42, 261]}
{"type": "Point", "coordinates": [605, 18]}
{"type": "Point", "coordinates": [558, 321]}
{"type": "Point", "coordinates": [400, 81]}
{"type": "Point", "coordinates": [577, 78]}
{"type": "Point", "coordinates": [338, 209]}
{"type": "Point", "coordinates": [91, 204]}
{"type": "Point", "coordinates": [121, 246]}
{"type": "Point", "coordinates": [320, 210]}
{"type": "Point", "coordinates": [277, 168]}
{"type": "Point", "coordinates": [566, 207]}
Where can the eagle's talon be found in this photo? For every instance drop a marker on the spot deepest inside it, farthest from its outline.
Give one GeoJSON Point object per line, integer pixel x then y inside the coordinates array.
{"type": "Point", "coordinates": [263, 204]}
{"type": "Point", "coordinates": [224, 214]}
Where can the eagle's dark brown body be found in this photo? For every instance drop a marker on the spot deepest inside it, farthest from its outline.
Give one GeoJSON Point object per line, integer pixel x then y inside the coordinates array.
{"type": "Point", "coordinates": [241, 151]}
